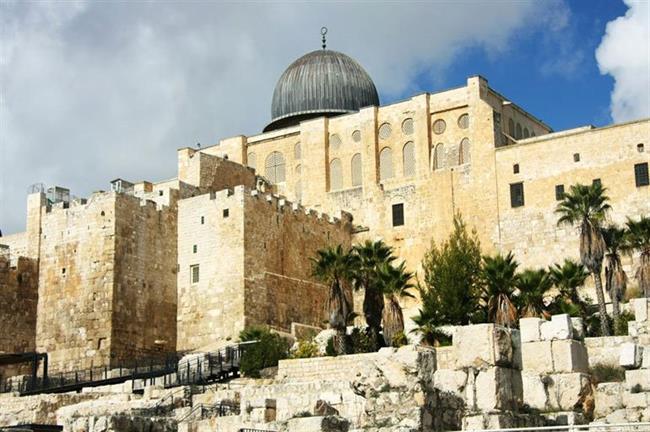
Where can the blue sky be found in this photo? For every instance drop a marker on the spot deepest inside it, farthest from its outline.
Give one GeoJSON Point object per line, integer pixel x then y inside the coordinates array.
{"type": "Point", "coordinates": [92, 91]}
{"type": "Point", "coordinates": [571, 94]}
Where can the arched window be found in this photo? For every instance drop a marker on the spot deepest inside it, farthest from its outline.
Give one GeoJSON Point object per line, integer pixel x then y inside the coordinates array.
{"type": "Point", "coordinates": [439, 157]}
{"type": "Point", "coordinates": [463, 151]}
{"type": "Point", "coordinates": [526, 133]}
{"type": "Point", "coordinates": [407, 126]}
{"type": "Point", "coordinates": [384, 131]}
{"type": "Point", "coordinates": [252, 160]}
{"type": "Point", "coordinates": [463, 121]}
{"type": "Point", "coordinates": [298, 190]}
{"type": "Point", "coordinates": [385, 164]}
{"type": "Point", "coordinates": [408, 159]}
{"type": "Point", "coordinates": [298, 169]}
{"type": "Point", "coordinates": [511, 128]}
{"type": "Point", "coordinates": [336, 174]}
{"type": "Point", "coordinates": [274, 167]}
{"type": "Point", "coordinates": [518, 132]}
{"type": "Point", "coordinates": [297, 151]}
{"type": "Point", "coordinates": [439, 126]}
{"type": "Point", "coordinates": [356, 136]}
{"type": "Point", "coordinates": [355, 168]}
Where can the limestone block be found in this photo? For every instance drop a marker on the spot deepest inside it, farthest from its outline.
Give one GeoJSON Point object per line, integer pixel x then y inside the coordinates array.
{"type": "Point", "coordinates": [645, 362]}
{"type": "Point", "coordinates": [318, 424]}
{"type": "Point", "coordinates": [568, 390]}
{"type": "Point", "coordinates": [535, 394]}
{"type": "Point", "coordinates": [560, 327]}
{"type": "Point", "coordinates": [630, 356]}
{"type": "Point", "coordinates": [494, 389]}
{"type": "Point", "coordinates": [569, 356]}
{"type": "Point", "coordinates": [636, 400]}
{"type": "Point", "coordinates": [482, 344]}
{"type": "Point", "coordinates": [608, 398]}
{"type": "Point", "coordinates": [578, 328]}
{"type": "Point", "coordinates": [516, 349]}
{"type": "Point", "coordinates": [451, 381]}
{"type": "Point", "coordinates": [637, 380]}
{"type": "Point", "coordinates": [530, 329]}
{"type": "Point", "coordinates": [641, 308]}
{"type": "Point", "coordinates": [537, 357]}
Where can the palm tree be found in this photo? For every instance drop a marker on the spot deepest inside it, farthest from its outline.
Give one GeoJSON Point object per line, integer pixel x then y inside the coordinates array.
{"type": "Point", "coordinates": [586, 206]}
{"type": "Point", "coordinates": [333, 266]}
{"type": "Point", "coordinates": [499, 280]}
{"type": "Point", "coordinates": [638, 239]}
{"type": "Point", "coordinates": [368, 257]}
{"type": "Point", "coordinates": [567, 278]}
{"type": "Point", "coordinates": [615, 277]}
{"type": "Point", "coordinates": [394, 283]}
{"type": "Point", "coordinates": [533, 285]}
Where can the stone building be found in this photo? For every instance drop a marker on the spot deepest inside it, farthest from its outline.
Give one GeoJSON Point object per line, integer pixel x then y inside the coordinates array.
{"type": "Point", "coordinates": [184, 263]}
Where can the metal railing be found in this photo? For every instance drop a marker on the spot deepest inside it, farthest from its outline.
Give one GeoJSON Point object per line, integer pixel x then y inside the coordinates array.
{"type": "Point", "coordinates": [220, 409]}
{"type": "Point", "coordinates": [209, 367]}
{"type": "Point", "coordinates": [613, 427]}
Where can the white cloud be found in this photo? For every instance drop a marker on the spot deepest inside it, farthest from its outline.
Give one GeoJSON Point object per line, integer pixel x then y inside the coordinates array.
{"type": "Point", "coordinates": [98, 90]}
{"type": "Point", "coordinates": [624, 53]}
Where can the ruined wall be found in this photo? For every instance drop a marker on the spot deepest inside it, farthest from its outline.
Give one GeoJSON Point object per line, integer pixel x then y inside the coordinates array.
{"type": "Point", "coordinates": [212, 172]}
{"type": "Point", "coordinates": [76, 279]}
{"type": "Point", "coordinates": [144, 296]}
{"type": "Point", "coordinates": [106, 281]}
{"type": "Point", "coordinates": [16, 245]}
{"type": "Point", "coordinates": [280, 238]}
{"type": "Point", "coordinates": [18, 299]}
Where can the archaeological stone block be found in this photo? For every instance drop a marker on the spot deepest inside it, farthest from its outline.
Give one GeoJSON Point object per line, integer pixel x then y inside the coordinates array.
{"type": "Point", "coordinates": [608, 398]}
{"type": "Point", "coordinates": [559, 327]}
{"type": "Point", "coordinates": [495, 389]}
{"type": "Point", "coordinates": [578, 328]}
{"type": "Point", "coordinates": [637, 380]}
{"type": "Point", "coordinates": [530, 329]}
{"type": "Point", "coordinates": [535, 393]}
{"type": "Point", "coordinates": [630, 355]}
{"type": "Point", "coordinates": [645, 354]}
{"type": "Point", "coordinates": [569, 356]}
{"type": "Point", "coordinates": [641, 308]}
{"type": "Point", "coordinates": [483, 344]}
{"type": "Point", "coordinates": [450, 381]}
{"type": "Point", "coordinates": [537, 357]}
{"type": "Point", "coordinates": [568, 391]}
{"type": "Point", "coordinates": [318, 424]}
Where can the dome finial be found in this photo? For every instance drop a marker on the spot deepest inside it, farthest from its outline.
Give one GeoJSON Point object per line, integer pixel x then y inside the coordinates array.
{"type": "Point", "coordinates": [323, 32]}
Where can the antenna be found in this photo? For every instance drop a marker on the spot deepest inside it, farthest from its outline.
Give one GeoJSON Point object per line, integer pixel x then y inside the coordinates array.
{"type": "Point", "coordinates": [323, 32]}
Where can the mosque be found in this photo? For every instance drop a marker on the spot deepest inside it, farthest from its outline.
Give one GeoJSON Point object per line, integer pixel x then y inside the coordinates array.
{"type": "Point", "coordinates": [184, 264]}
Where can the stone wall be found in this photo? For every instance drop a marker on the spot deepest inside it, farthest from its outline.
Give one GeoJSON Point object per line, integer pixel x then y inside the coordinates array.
{"type": "Point", "coordinates": [106, 281]}
{"type": "Point", "coordinates": [253, 255]}
{"type": "Point", "coordinates": [18, 300]}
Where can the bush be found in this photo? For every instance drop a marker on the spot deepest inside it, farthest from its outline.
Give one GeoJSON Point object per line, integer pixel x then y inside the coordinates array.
{"type": "Point", "coordinates": [267, 352]}
{"type": "Point", "coordinates": [305, 349]}
{"type": "Point", "coordinates": [399, 340]}
{"type": "Point", "coordinates": [330, 349]}
{"type": "Point", "coordinates": [607, 373]}
{"type": "Point", "coordinates": [360, 342]}
{"type": "Point", "coordinates": [620, 328]}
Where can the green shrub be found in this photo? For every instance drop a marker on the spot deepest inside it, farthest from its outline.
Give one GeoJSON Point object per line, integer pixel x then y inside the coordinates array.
{"type": "Point", "coordinates": [620, 328]}
{"type": "Point", "coordinates": [305, 349]}
{"type": "Point", "coordinates": [360, 342]}
{"type": "Point", "coordinates": [399, 340]}
{"type": "Point", "coordinates": [267, 352]}
{"type": "Point", "coordinates": [330, 349]}
{"type": "Point", "coordinates": [602, 372]}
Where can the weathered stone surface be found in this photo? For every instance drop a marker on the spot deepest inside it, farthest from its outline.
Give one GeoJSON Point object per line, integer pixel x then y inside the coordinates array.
{"type": "Point", "coordinates": [530, 329]}
{"type": "Point", "coordinates": [535, 392]}
{"type": "Point", "coordinates": [630, 356]}
{"type": "Point", "coordinates": [318, 424]}
{"type": "Point", "coordinates": [569, 356]}
{"type": "Point", "coordinates": [637, 380]}
{"type": "Point", "coordinates": [641, 307]}
{"type": "Point", "coordinates": [495, 389]}
{"type": "Point", "coordinates": [483, 345]}
{"type": "Point", "coordinates": [578, 328]}
{"type": "Point", "coordinates": [608, 398]}
{"type": "Point", "coordinates": [452, 381]}
{"type": "Point", "coordinates": [569, 391]}
{"type": "Point", "coordinates": [560, 327]}
{"type": "Point", "coordinates": [537, 357]}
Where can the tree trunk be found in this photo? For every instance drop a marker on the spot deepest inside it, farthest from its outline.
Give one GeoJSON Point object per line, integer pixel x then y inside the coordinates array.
{"type": "Point", "coordinates": [611, 286]}
{"type": "Point", "coordinates": [602, 309]}
{"type": "Point", "coordinates": [341, 342]}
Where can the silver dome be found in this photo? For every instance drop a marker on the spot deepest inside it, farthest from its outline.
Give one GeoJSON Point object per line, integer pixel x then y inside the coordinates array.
{"type": "Point", "coordinates": [320, 83]}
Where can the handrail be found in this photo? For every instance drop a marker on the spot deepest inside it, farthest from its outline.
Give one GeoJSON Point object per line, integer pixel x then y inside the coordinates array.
{"type": "Point", "coordinates": [221, 408]}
